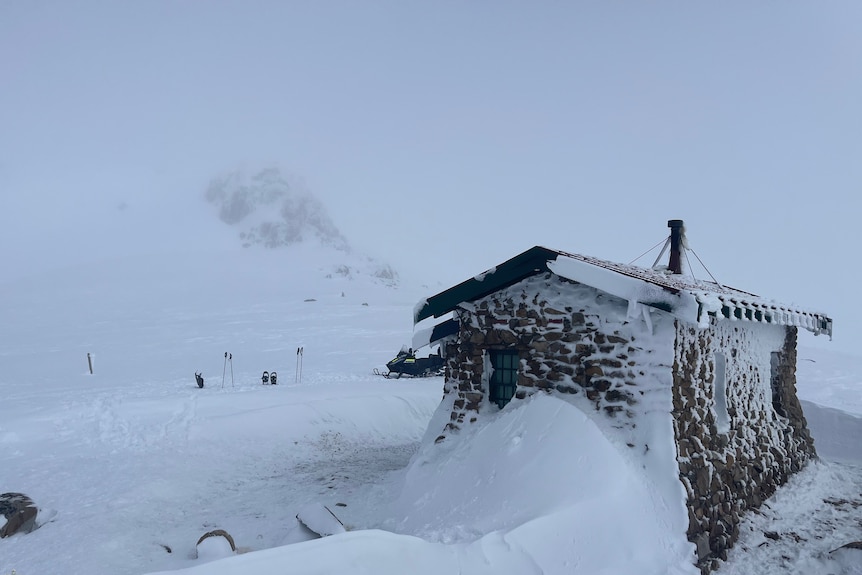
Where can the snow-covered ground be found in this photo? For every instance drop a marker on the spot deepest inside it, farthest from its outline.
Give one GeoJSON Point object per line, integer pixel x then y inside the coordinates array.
{"type": "Point", "coordinates": [135, 460]}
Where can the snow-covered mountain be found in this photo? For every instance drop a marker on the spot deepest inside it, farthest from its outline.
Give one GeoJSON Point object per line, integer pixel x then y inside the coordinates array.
{"type": "Point", "coordinates": [138, 462]}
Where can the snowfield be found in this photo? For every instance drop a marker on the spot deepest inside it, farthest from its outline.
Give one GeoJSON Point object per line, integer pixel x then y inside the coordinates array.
{"type": "Point", "coordinates": [132, 464]}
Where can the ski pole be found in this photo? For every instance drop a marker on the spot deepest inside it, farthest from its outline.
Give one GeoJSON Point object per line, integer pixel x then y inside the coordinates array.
{"type": "Point", "coordinates": [231, 370]}
{"type": "Point", "coordinates": [301, 354]}
{"type": "Point", "coordinates": [296, 376]}
{"type": "Point", "coordinates": [224, 369]}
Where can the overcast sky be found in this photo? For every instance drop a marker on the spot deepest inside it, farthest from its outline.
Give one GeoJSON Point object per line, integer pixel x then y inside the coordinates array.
{"type": "Point", "coordinates": [451, 134]}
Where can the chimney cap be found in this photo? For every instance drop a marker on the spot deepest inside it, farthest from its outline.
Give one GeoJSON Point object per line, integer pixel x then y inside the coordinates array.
{"type": "Point", "coordinates": [675, 223]}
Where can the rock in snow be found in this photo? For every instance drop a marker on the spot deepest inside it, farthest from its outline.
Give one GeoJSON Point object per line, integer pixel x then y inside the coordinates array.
{"type": "Point", "coordinates": [215, 544]}
{"type": "Point", "coordinates": [19, 512]}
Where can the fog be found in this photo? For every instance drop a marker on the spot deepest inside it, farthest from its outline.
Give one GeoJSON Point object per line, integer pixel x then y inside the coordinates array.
{"type": "Point", "coordinates": [447, 137]}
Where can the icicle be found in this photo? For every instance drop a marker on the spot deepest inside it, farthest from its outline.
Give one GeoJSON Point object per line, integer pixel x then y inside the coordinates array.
{"type": "Point", "coordinates": [647, 318]}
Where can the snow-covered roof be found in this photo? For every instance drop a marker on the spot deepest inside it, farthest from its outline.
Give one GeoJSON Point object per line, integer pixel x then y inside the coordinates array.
{"type": "Point", "coordinates": [685, 297]}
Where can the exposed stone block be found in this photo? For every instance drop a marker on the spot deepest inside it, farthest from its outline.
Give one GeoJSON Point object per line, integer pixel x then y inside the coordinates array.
{"type": "Point", "coordinates": [602, 384]}
{"type": "Point", "coordinates": [593, 371]}
{"type": "Point", "coordinates": [554, 375]}
{"type": "Point", "coordinates": [507, 337]}
{"type": "Point", "coordinates": [540, 346]}
{"type": "Point", "coordinates": [615, 395]}
{"type": "Point", "coordinates": [613, 409]}
{"type": "Point", "coordinates": [584, 349]}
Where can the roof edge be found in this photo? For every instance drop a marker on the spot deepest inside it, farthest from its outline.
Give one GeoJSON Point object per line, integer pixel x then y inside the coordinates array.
{"type": "Point", "coordinates": [694, 298]}
{"type": "Point", "coordinates": [530, 262]}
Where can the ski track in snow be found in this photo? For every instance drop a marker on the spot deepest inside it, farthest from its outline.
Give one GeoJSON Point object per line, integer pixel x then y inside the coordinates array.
{"type": "Point", "coordinates": [141, 474]}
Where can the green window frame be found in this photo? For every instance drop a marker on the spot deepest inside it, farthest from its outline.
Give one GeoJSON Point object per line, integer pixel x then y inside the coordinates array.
{"type": "Point", "coordinates": [504, 375]}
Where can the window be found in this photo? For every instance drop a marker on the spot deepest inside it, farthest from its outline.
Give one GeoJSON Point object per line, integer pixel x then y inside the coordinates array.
{"type": "Point", "coordinates": [719, 391]}
{"type": "Point", "coordinates": [504, 375]}
{"type": "Point", "coordinates": [775, 383]}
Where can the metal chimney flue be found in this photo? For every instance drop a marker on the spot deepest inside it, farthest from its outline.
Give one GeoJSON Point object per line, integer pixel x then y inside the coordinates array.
{"type": "Point", "coordinates": [676, 235]}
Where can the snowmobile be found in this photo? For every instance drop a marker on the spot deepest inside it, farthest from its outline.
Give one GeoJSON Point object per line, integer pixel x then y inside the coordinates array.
{"type": "Point", "coordinates": [406, 363]}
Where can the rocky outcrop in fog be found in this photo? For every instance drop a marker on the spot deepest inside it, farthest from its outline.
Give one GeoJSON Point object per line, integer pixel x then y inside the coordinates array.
{"type": "Point", "coordinates": [269, 211]}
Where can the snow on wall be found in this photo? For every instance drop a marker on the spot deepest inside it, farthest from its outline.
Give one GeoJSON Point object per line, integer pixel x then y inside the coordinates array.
{"type": "Point", "coordinates": [728, 467]}
{"type": "Point", "coordinates": [572, 340]}
{"type": "Point", "coordinates": [578, 344]}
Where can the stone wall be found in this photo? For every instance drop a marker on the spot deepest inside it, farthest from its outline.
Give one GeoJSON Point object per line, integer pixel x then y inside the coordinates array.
{"type": "Point", "coordinates": [732, 462]}
{"type": "Point", "coordinates": [572, 340]}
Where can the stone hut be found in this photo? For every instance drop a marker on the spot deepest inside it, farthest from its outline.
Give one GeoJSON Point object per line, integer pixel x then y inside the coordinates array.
{"type": "Point", "coordinates": [624, 343]}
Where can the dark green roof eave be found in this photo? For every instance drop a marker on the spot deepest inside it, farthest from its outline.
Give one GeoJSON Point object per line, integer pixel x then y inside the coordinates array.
{"type": "Point", "coordinates": [531, 262]}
